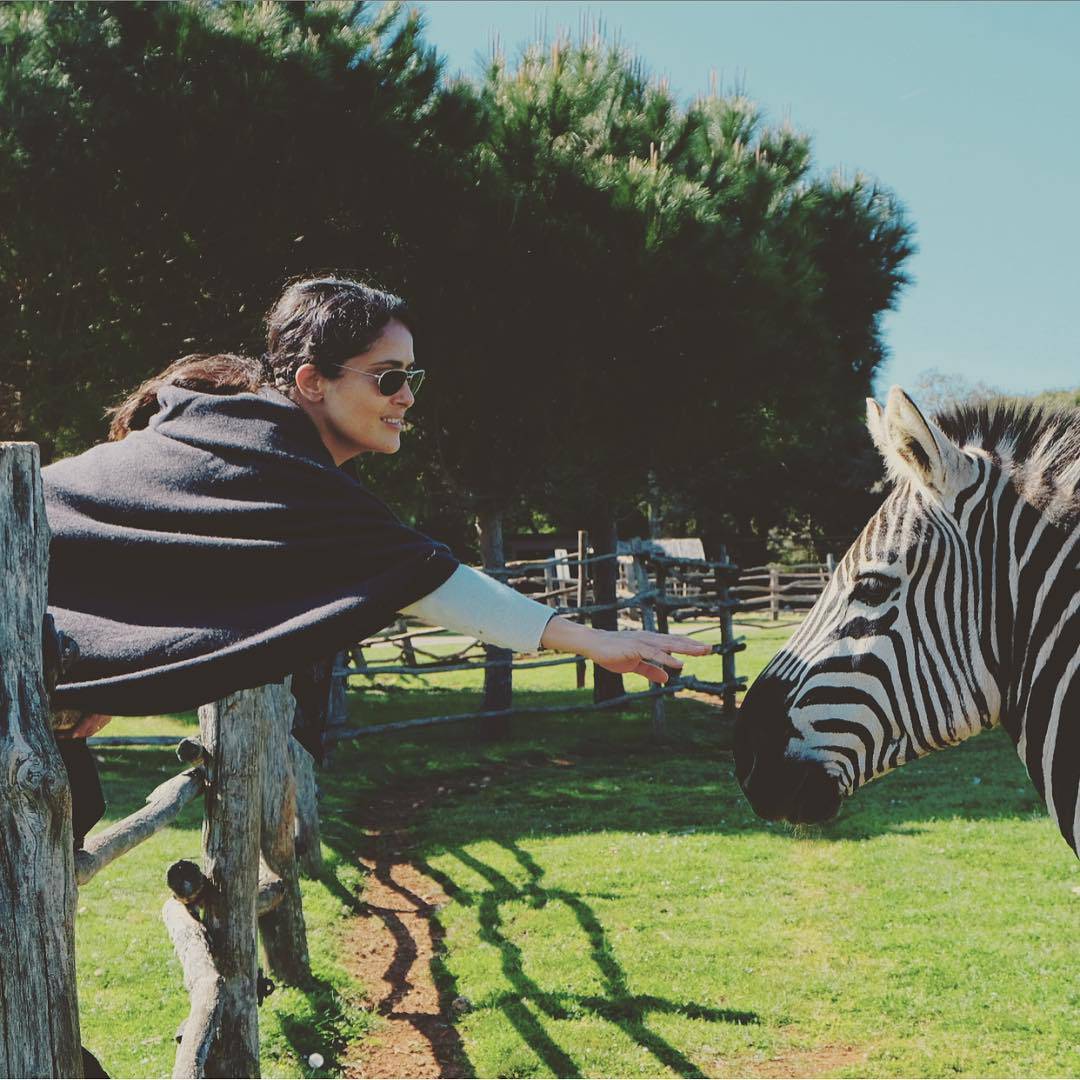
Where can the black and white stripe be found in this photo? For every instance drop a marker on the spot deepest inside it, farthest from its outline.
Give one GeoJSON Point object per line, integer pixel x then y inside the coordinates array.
{"type": "Point", "coordinates": [957, 609]}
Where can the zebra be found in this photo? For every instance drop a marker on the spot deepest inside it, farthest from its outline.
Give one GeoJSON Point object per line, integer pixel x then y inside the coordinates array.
{"type": "Point", "coordinates": [957, 609]}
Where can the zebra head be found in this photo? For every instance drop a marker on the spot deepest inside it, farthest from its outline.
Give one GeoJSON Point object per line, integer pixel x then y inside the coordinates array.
{"type": "Point", "coordinates": [898, 656]}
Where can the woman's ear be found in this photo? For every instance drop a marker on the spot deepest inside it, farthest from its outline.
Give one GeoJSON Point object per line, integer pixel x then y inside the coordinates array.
{"type": "Point", "coordinates": [309, 382]}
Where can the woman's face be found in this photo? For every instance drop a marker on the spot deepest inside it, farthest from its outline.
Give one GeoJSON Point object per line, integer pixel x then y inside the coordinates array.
{"type": "Point", "coordinates": [350, 413]}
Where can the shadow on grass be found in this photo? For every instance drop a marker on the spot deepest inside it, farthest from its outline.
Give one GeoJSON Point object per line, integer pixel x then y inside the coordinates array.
{"type": "Point", "coordinates": [571, 773]}
{"type": "Point", "coordinates": [527, 1004]}
{"type": "Point", "coordinates": [434, 1027]}
{"type": "Point", "coordinates": [981, 780]}
{"type": "Point", "coordinates": [315, 1017]}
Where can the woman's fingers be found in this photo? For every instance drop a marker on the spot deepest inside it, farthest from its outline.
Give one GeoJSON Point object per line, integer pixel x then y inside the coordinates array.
{"type": "Point", "coordinates": [666, 659]}
{"type": "Point", "coordinates": [89, 725]}
{"type": "Point", "coordinates": [677, 643]}
{"type": "Point", "coordinates": [651, 672]}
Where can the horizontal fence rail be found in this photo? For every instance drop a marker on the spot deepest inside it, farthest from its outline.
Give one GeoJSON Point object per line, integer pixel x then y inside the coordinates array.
{"type": "Point", "coordinates": [256, 785]}
{"type": "Point", "coordinates": [654, 586]}
{"type": "Point", "coordinates": [775, 587]}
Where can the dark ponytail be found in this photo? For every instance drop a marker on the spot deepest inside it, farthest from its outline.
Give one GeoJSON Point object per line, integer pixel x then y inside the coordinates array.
{"type": "Point", "coordinates": [221, 373]}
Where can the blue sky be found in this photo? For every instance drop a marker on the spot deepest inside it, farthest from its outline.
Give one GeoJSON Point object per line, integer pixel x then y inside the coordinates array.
{"type": "Point", "coordinates": [968, 111]}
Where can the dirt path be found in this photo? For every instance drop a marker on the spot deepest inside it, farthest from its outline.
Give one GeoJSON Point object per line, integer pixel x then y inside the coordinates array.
{"type": "Point", "coordinates": [390, 949]}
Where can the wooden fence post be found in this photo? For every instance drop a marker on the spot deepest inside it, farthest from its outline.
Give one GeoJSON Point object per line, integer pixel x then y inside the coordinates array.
{"type": "Point", "coordinates": [498, 681]}
{"type": "Point", "coordinates": [233, 731]}
{"type": "Point", "coordinates": [640, 578]}
{"type": "Point", "coordinates": [661, 588]}
{"type": "Point", "coordinates": [307, 838]}
{"type": "Point", "coordinates": [284, 935]}
{"type": "Point", "coordinates": [582, 553]}
{"type": "Point", "coordinates": [727, 633]}
{"type": "Point", "coordinates": [774, 593]}
{"type": "Point", "coordinates": [39, 1020]}
{"type": "Point", "coordinates": [606, 684]}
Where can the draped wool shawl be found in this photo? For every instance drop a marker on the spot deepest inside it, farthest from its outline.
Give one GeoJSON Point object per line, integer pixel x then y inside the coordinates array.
{"type": "Point", "coordinates": [218, 548]}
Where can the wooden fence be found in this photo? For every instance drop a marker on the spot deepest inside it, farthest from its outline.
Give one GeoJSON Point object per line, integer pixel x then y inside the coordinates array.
{"type": "Point", "coordinates": [662, 586]}
{"type": "Point", "coordinates": [775, 588]}
{"type": "Point", "coordinates": [258, 792]}
{"type": "Point", "coordinates": [260, 824]}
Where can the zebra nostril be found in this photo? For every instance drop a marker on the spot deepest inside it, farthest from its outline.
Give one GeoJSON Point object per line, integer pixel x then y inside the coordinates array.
{"type": "Point", "coordinates": [817, 798]}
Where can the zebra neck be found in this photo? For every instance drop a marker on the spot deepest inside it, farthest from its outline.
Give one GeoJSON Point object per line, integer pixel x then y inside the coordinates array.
{"type": "Point", "coordinates": [1041, 703]}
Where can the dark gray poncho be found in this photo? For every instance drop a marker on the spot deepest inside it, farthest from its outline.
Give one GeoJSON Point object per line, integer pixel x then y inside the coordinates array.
{"type": "Point", "coordinates": [217, 549]}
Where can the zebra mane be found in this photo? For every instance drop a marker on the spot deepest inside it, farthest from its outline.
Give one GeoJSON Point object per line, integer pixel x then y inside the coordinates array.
{"type": "Point", "coordinates": [1038, 446]}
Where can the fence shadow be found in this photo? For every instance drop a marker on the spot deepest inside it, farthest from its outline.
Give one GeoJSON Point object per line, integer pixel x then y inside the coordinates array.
{"type": "Point", "coordinates": [526, 1005]}
{"type": "Point", "coordinates": [406, 910]}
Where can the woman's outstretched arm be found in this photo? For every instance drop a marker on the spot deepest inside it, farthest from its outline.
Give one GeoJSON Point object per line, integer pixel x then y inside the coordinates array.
{"type": "Point", "coordinates": [473, 603]}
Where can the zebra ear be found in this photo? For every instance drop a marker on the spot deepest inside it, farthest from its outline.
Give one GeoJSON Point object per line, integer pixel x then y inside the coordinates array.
{"type": "Point", "coordinates": [875, 422]}
{"type": "Point", "coordinates": [917, 448]}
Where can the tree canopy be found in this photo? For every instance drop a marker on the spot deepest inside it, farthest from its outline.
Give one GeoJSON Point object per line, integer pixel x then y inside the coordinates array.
{"type": "Point", "coordinates": [616, 290]}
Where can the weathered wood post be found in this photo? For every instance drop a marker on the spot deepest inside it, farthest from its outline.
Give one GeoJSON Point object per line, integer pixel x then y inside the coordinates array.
{"type": "Point", "coordinates": [606, 684]}
{"type": "Point", "coordinates": [727, 631]}
{"type": "Point", "coordinates": [284, 936]}
{"type": "Point", "coordinates": [582, 552]}
{"type": "Point", "coordinates": [498, 680]}
{"type": "Point", "coordinates": [39, 1018]}
{"type": "Point", "coordinates": [661, 588]}
{"type": "Point", "coordinates": [202, 980]}
{"type": "Point", "coordinates": [233, 731]}
{"type": "Point", "coordinates": [774, 593]}
{"type": "Point", "coordinates": [308, 842]}
{"type": "Point", "coordinates": [407, 650]}
{"type": "Point", "coordinates": [640, 578]}
{"type": "Point", "coordinates": [337, 707]}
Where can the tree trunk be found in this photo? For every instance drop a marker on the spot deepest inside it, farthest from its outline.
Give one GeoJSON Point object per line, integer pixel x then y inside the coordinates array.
{"type": "Point", "coordinates": [498, 681]}
{"type": "Point", "coordinates": [234, 734]}
{"type": "Point", "coordinates": [284, 936]}
{"type": "Point", "coordinates": [605, 541]}
{"type": "Point", "coordinates": [39, 1020]}
{"type": "Point", "coordinates": [656, 523]}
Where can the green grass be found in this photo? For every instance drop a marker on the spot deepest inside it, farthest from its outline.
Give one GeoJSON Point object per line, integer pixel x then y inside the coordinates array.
{"type": "Point", "coordinates": [616, 909]}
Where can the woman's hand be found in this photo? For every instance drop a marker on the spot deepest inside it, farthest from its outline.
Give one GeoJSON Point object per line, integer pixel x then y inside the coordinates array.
{"type": "Point", "coordinates": [625, 652]}
{"type": "Point", "coordinates": [88, 724]}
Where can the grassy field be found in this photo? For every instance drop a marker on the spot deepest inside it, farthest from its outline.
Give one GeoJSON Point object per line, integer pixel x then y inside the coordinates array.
{"type": "Point", "coordinates": [615, 908]}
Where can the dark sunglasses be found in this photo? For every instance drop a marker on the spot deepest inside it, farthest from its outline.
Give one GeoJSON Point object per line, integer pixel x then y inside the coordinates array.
{"type": "Point", "coordinates": [392, 380]}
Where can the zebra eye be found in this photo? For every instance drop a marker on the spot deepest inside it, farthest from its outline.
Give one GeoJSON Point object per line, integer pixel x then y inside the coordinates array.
{"type": "Point", "coordinates": [873, 589]}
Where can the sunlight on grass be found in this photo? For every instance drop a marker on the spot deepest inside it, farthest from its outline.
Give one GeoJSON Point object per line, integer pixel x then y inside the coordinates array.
{"type": "Point", "coordinates": [616, 909]}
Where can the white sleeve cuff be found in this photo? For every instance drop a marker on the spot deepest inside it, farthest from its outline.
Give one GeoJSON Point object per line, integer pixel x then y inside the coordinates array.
{"type": "Point", "coordinates": [473, 603]}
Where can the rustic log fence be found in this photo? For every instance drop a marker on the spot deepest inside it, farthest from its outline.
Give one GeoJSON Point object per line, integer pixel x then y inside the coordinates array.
{"type": "Point", "coordinates": [662, 587]}
{"type": "Point", "coordinates": [257, 783]}
{"type": "Point", "coordinates": [257, 788]}
{"type": "Point", "coordinates": [775, 587]}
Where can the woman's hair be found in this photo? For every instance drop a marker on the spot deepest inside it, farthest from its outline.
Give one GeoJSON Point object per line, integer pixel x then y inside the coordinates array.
{"type": "Point", "coordinates": [223, 373]}
{"type": "Point", "coordinates": [320, 321]}
{"type": "Point", "coordinates": [325, 321]}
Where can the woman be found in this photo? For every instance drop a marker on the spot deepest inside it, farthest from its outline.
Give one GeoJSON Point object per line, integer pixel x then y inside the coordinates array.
{"type": "Point", "coordinates": [214, 543]}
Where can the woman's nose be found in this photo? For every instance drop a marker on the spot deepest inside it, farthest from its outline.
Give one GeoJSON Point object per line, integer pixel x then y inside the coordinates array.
{"type": "Point", "coordinates": [404, 397]}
